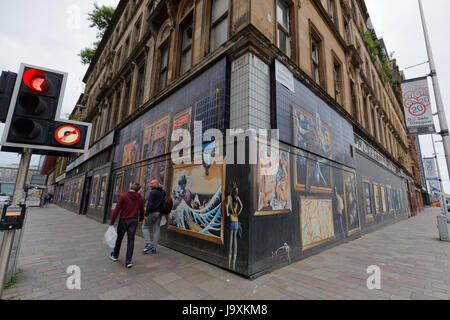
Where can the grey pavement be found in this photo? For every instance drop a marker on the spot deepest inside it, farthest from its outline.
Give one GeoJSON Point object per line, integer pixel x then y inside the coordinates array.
{"type": "Point", "coordinates": [414, 265]}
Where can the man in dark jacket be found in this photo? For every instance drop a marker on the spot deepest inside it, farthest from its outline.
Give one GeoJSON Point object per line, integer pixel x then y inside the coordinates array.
{"type": "Point", "coordinates": [153, 217]}
{"type": "Point", "coordinates": [130, 209]}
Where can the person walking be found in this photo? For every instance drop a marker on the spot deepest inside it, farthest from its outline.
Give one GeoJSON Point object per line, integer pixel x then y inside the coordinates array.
{"type": "Point", "coordinates": [130, 210]}
{"type": "Point", "coordinates": [153, 217]}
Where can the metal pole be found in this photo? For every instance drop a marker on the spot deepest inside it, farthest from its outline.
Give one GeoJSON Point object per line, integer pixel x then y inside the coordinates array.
{"type": "Point", "coordinates": [8, 238]}
{"type": "Point", "coordinates": [441, 197]}
{"type": "Point", "coordinates": [27, 154]}
{"type": "Point", "coordinates": [437, 92]}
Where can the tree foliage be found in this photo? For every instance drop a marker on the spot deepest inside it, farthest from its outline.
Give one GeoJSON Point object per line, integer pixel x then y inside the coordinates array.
{"type": "Point", "coordinates": [100, 17]}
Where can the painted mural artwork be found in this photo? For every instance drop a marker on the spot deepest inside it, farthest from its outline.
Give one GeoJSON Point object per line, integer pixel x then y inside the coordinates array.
{"type": "Point", "coordinates": [198, 201]}
{"type": "Point", "coordinates": [95, 182]}
{"type": "Point", "coordinates": [368, 201]}
{"type": "Point", "coordinates": [377, 198]}
{"type": "Point", "coordinates": [131, 175]}
{"type": "Point", "coordinates": [101, 193]}
{"type": "Point", "coordinates": [282, 254]}
{"type": "Point", "coordinates": [154, 145]}
{"type": "Point", "coordinates": [273, 185]}
{"type": "Point", "coordinates": [78, 194]}
{"type": "Point", "coordinates": [233, 208]}
{"type": "Point", "coordinates": [316, 218]}
{"type": "Point", "coordinates": [182, 121]}
{"type": "Point", "coordinates": [383, 199]}
{"type": "Point", "coordinates": [117, 189]}
{"type": "Point", "coordinates": [130, 153]}
{"type": "Point", "coordinates": [312, 173]}
{"type": "Point", "coordinates": [351, 202]}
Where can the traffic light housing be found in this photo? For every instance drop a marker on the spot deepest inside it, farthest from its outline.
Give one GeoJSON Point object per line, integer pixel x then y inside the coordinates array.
{"type": "Point", "coordinates": [7, 82]}
{"type": "Point", "coordinates": [33, 116]}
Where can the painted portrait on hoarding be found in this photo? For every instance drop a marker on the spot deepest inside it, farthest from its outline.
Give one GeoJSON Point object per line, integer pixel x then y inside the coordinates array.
{"type": "Point", "coordinates": [198, 202]}
{"type": "Point", "coordinates": [312, 173]}
{"type": "Point", "coordinates": [154, 147]}
{"type": "Point", "coordinates": [101, 193]}
{"type": "Point", "coordinates": [316, 222]}
{"type": "Point", "coordinates": [368, 201]}
{"type": "Point", "coordinates": [273, 184]}
{"type": "Point", "coordinates": [130, 153]}
{"type": "Point", "coordinates": [377, 198]}
{"type": "Point", "coordinates": [94, 189]}
{"type": "Point", "coordinates": [117, 189]}
{"type": "Point", "coordinates": [383, 199]}
{"type": "Point", "coordinates": [351, 202]}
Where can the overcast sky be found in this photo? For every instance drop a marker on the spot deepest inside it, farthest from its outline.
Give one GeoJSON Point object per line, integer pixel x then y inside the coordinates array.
{"type": "Point", "coordinates": [48, 33]}
{"type": "Point", "coordinates": [51, 33]}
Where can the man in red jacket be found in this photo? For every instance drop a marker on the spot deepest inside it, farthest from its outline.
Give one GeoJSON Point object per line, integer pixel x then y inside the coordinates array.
{"type": "Point", "coordinates": [130, 209]}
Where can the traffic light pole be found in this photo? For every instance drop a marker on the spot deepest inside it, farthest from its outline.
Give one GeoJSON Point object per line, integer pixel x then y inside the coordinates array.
{"type": "Point", "coordinates": [437, 93]}
{"type": "Point", "coordinates": [8, 238]}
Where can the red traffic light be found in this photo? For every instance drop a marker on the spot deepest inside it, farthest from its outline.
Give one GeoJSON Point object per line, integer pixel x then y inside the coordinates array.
{"type": "Point", "coordinates": [35, 79]}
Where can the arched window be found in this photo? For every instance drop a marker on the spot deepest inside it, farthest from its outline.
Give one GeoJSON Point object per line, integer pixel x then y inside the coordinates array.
{"type": "Point", "coordinates": [163, 53]}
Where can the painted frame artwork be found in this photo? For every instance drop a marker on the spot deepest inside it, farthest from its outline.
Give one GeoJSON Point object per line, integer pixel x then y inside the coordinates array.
{"type": "Point", "coordinates": [117, 189]}
{"type": "Point", "coordinates": [198, 202]}
{"type": "Point", "coordinates": [376, 193]}
{"type": "Point", "coordinates": [383, 199]}
{"type": "Point", "coordinates": [390, 201]}
{"type": "Point", "coordinates": [130, 153]}
{"type": "Point", "coordinates": [272, 182]}
{"type": "Point", "coordinates": [155, 144]}
{"type": "Point", "coordinates": [182, 120]}
{"type": "Point", "coordinates": [351, 202]}
{"type": "Point", "coordinates": [102, 190]}
{"type": "Point", "coordinates": [94, 190]}
{"type": "Point", "coordinates": [316, 222]}
{"type": "Point", "coordinates": [312, 173]}
{"type": "Point", "coordinates": [368, 200]}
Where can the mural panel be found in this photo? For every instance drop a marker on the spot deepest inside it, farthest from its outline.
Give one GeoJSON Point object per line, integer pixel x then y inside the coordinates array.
{"type": "Point", "coordinates": [383, 199]}
{"type": "Point", "coordinates": [94, 189]}
{"type": "Point", "coordinates": [312, 173]}
{"type": "Point", "coordinates": [102, 188]}
{"type": "Point", "coordinates": [377, 199]}
{"type": "Point", "coordinates": [154, 145]}
{"type": "Point", "coordinates": [316, 222]}
{"type": "Point", "coordinates": [272, 181]}
{"type": "Point", "coordinates": [351, 202]}
{"type": "Point", "coordinates": [199, 200]}
{"type": "Point", "coordinates": [117, 189]}
{"type": "Point", "coordinates": [368, 200]}
{"type": "Point", "coordinates": [130, 153]}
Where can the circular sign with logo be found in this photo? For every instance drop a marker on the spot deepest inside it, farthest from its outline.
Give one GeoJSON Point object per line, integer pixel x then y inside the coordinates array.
{"type": "Point", "coordinates": [68, 135]}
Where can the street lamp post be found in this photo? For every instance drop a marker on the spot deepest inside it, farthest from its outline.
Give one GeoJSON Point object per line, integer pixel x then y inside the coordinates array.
{"type": "Point", "coordinates": [437, 93]}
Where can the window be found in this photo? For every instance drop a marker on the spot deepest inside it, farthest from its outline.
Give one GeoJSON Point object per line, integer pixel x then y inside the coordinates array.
{"type": "Point", "coordinates": [140, 88]}
{"type": "Point", "coordinates": [283, 29]}
{"type": "Point", "coordinates": [347, 32]}
{"type": "Point", "coordinates": [186, 47]}
{"type": "Point", "coordinates": [316, 59]}
{"type": "Point", "coordinates": [137, 31]}
{"type": "Point", "coordinates": [332, 11]}
{"type": "Point", "coordinates": [354, 100]}
{"type": "Point", "coordinates": [164, 54]}
{"type": "Point", "coordinates": [337, 82]}
{"type": "Point", "coordinates": [126, 99]}
{"type": "Point", "coordinates": [219, 23]}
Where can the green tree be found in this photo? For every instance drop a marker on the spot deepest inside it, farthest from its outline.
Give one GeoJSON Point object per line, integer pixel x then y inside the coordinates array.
{"type": "Point", "coordinates": [100, 17]}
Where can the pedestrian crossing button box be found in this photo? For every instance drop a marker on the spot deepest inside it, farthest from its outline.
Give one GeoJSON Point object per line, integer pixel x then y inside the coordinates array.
{"type": "Point", "coordinates": [12, 217]}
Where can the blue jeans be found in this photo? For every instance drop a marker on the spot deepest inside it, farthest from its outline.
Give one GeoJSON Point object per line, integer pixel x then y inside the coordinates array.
{"type": "Point", "coordinates": [152, 224]}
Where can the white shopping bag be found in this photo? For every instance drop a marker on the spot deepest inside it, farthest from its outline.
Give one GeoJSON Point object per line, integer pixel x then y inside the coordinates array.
{"type": "Point", "coordinates": [110, 237]}
{"type": "Point", "coordinates": [163, 221]}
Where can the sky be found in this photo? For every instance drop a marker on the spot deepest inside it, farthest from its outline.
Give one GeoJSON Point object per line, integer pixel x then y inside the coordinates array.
{"type": "Point", "coordinates": [51, 33]}
{"type": "Point", "coordinates": [47, 33]}
{"type": "Point", "coordinates": [398, 22]}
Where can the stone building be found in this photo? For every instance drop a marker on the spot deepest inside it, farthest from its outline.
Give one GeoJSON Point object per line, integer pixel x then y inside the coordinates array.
{"type": "Point", "coordinates": [310, 68]}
